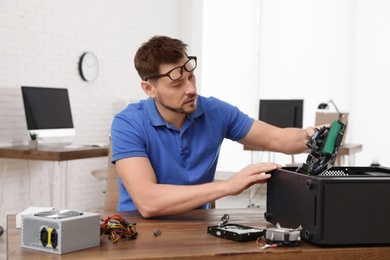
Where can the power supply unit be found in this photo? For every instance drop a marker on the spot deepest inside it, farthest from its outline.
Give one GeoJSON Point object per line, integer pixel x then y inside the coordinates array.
{"type": "Point", "coordinates": [60, 232]}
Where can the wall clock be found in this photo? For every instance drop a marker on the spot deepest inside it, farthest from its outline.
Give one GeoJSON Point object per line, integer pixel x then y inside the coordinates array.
{"type": "Point", "coordinates": [89, 66]}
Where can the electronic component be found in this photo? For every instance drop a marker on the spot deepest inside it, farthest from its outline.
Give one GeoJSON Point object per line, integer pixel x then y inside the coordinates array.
{"type": "Point", "coordinates": [283, 236]}
{"type": "Point", "coordinates": [234, 232]}
{"type": "Point", "coordinates": [324, 147]}
{"type": "Point", "coordinates": [223, 220]}
{"type": "Point", "coordinates": [116, 227]}
{"type": "Point", "coordinates": [60, 232]}
{"type": "Point", "coordinates": [157, 233]}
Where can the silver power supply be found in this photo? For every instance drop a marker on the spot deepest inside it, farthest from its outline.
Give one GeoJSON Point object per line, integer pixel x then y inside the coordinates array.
{"type": "Point", "coordinates": [60, 232]}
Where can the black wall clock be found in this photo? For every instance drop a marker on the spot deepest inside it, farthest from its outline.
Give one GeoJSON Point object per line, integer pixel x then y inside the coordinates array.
{"type": "Point", "coordinates": [89, 66]}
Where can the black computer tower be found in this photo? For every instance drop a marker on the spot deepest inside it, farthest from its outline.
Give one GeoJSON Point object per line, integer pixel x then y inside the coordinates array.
{"type": "Point", "coordinates": [341, 206]}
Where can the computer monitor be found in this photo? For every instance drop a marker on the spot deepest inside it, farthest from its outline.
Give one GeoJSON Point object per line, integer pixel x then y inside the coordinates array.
{"type": "Point", "coordinates": [48, 111]}
{"type": "Point", "coordinates": [282, 112]}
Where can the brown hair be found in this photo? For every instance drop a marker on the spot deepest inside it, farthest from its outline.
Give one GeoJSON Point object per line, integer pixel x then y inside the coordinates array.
{"type": "Point", "coordinates": [158, 50]}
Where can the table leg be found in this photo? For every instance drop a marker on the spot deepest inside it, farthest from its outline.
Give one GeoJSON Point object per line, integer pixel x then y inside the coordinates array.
{"type": "Point", "coordinates": [2, 192]}
{"type": "Point", "coordinates": [63, 180]}
{"type": "Point", "coordinates": [339, 160]}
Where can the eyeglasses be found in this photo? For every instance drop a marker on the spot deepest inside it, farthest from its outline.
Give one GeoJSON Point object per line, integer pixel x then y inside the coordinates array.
{"type": "Point", "coordinates": [176, 73]}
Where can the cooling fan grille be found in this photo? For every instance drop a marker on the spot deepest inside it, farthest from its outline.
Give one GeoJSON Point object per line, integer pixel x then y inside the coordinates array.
{"type": "Point", "coordinates": [333, 173]}
{"type": "Point", "coordinates": [58, 214]}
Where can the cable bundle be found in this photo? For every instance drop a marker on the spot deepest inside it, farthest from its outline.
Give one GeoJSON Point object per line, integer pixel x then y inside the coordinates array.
{"type": "Point", "coordinates": [116, 227]}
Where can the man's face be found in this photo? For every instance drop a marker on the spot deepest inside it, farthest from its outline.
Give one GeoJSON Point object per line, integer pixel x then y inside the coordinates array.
{"type": "Point", "coordinates": [178, 96]}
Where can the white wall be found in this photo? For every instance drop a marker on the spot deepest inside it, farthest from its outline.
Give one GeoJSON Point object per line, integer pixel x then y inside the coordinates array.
{"type": "Point", "coordinates": [371, 80]}
{"type": "Point", "coordinates": [41, 42]}
{"type": "Point", "coordinates": [230, 64]}
{"type": "Point", "coordinates": [305, 52]}
{"type": "Point", "coordinates": [315, 50]}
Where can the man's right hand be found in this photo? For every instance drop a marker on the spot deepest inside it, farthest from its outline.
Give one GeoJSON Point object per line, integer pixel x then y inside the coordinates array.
{"type": "Point", "coordinates": [250, 175]}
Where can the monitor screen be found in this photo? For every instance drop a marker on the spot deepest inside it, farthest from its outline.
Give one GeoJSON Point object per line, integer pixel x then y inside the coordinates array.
{"type": "Point", "coordinates": [48, 111]}
{"type": "Point", "coordinates": [282, 112]}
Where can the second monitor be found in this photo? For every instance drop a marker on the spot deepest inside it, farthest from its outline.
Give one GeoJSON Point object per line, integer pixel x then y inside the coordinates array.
{"type": "Point", "coordinates": [282, 112]}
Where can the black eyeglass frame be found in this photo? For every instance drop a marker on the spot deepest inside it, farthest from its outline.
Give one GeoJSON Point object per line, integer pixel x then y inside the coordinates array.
{"type": "Point", "coordinates": [168, 74]}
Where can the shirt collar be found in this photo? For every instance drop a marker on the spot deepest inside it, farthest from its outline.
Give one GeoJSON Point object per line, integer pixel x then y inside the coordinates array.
{"type": "Point", "coordinates": [155, 118]}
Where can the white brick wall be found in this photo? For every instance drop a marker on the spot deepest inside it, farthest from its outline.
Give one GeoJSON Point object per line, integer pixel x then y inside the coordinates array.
{"type": "Point", "coordinates": [41, 42]}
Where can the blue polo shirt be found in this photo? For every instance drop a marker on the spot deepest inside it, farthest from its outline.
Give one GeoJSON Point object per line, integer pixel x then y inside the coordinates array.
{"type": "Point", "coordinates": [184, 157]}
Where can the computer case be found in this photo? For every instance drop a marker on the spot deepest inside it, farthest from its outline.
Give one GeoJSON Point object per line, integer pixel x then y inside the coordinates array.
{"type": "Point", "coordinates": [340, 206]}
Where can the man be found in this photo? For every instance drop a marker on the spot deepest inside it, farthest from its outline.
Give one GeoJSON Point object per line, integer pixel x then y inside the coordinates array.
{"type": "Point", "coordinates": [166, 147]}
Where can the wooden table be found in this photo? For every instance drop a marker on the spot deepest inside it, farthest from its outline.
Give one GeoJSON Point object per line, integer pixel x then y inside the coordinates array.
{"type": "Point", "coordinates": [52, 152]}
{"type": "Point", "coordinates": [56, 153]}
{"type": "Point", "coordinates": [184, 236]}
{"type": "Point", "coordinates": [348, 150]}
{"type": "Point", "coordinates": [345, 150]}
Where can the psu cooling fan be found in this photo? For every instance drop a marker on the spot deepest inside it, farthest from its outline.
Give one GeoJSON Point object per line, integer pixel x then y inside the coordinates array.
{"type": "Point", "coordinates": [58, 214]}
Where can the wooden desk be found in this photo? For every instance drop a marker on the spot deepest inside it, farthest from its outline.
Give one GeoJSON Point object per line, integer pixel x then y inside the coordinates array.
{"type": "Point", "coordinates": [56, 153]}
{"type": "Point", "coordinates": [345, 150]}
{"type": "Point", "coordinates": [52, 152]}
{"type": "Point", "coordinates": [184, 236]}
{"type": "Point", "coordinates": [348, 150]}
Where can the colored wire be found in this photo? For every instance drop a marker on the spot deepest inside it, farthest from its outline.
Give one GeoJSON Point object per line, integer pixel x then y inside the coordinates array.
{"type": "Point", "coordinates": [116, 227]}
